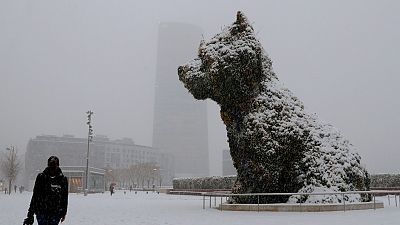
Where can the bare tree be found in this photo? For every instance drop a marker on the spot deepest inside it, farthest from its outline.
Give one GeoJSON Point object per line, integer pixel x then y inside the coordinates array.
{"type": "Point", "coordinates": [157, 175]}
{"type": "Point", "coordinates": [109, 176]}
{"type": "Point", "coordinates": [133, 174]}
{"type": "Point", "coordinates": [149, 170]}
{"type": "Point", "coordinates": [10, 165]}
{"type": "Point", "coordinates": [138, 174]}
{"type": "Point", "coordinates": [124, 177]}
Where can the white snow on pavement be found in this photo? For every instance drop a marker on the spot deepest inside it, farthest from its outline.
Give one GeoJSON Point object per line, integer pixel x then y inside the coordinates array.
{"type": "Point", "coordinates": [162, 209]}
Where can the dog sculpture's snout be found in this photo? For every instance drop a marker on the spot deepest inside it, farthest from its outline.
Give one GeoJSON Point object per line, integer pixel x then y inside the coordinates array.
{"type": "Point", "coordinates": [181, 70]}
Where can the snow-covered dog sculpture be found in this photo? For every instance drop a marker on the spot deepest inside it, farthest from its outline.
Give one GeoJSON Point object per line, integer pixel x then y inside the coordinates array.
{"type": "Point", "coordinates": [276, 146]}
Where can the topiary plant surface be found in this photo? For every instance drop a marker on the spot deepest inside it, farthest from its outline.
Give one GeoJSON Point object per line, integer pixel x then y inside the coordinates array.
{"type": "Point", "coordinates": [275, 144]}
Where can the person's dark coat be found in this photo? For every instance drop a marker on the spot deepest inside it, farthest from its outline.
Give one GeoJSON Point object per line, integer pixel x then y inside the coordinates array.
{"type": "Point", "coordinates": [50, 194]}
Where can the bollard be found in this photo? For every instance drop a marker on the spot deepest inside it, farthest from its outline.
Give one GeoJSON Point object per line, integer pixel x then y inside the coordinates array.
{"type": "Point", "coordinates": [258, 203]}
{"type": "Point", "coordinates": [220, 206]}
{"type": "Point", "coordinates": [395, 199]}
{"type": "Point", "coordinates": [210, 201]}
{"type": "Point", "coordinates": [389, 199]}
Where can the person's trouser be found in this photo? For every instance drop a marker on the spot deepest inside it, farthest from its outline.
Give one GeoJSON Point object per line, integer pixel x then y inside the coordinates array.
{"type": "Point", "coordinates": [45, 219]}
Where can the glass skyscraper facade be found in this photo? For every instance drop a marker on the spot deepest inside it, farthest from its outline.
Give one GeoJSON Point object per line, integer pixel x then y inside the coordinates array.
{"type": "Point", "coordinates": [180, 121]}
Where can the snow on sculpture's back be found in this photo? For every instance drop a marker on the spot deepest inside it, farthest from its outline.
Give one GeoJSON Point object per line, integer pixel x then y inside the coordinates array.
{"type": "Point", "coordinates": [276, 146]}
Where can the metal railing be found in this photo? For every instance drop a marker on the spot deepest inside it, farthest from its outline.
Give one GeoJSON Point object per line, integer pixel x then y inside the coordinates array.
{"type": "Point", "coordinates": [210, 195]}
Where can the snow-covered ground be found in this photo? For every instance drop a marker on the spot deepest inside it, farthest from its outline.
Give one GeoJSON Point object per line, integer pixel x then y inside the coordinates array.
{"type": "Point", "coordinates": [162, 209]}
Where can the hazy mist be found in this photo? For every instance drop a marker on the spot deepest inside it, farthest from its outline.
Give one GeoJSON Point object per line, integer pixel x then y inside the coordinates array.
{"type": "Point", "coordinates": [59, 59]}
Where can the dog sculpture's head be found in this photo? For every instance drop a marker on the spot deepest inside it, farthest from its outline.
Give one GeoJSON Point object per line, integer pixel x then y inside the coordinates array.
{"type": "Point", "coordinates": [229, 68]}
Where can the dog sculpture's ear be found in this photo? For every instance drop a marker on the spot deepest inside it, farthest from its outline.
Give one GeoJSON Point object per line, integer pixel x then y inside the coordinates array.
{"type": "Point", "coordinates": [201, 49]}
{"type": "Point", "coordinates": [241, 24]}
{"type": "Point", "coordinates": [240, 18]}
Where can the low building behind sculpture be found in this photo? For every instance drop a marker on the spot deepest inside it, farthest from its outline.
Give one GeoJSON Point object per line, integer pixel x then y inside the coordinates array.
{"type": "Point", "coordinates": [123, 153]}
{"type": "Point", "coordinates": [70, 150]}
{"type": "Point", "coordinates": [76, 176]}
{"type": "Point", "coordinates": [104, 153]}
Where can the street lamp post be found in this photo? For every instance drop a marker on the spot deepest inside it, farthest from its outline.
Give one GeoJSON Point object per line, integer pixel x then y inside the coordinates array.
{"type": "Point", "coordinates": [90, 139]}
{"type": "Point", "coordinates": [158, 172]}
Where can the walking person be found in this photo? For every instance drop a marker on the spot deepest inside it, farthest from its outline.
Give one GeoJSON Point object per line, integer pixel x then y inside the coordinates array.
{"type": "Point", "coordinates": [50, 196]}
{"type": "Point", "coordinates": [112, 189]}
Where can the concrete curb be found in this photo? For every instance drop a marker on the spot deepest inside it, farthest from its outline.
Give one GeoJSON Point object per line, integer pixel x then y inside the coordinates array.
{"type": "Point", "coordinates": [283, 207]}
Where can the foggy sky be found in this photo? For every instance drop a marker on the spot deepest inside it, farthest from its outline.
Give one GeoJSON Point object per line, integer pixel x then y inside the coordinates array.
{"type": "Point", "coordinates": [59, 59]}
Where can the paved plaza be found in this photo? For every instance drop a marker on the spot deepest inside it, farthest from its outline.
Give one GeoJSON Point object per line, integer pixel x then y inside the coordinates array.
{"type": "Point", "coordinates": [162, 209]}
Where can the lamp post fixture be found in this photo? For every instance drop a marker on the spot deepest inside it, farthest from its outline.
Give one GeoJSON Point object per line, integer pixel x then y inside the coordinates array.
{"type": "Point", "coordinates": [158, 172]}
{"type": "Point", "coordinates": [90, 139]}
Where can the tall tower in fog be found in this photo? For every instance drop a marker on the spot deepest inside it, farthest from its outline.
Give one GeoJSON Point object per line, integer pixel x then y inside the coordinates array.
{"type": "Point", "coordinates": [180, 121]}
